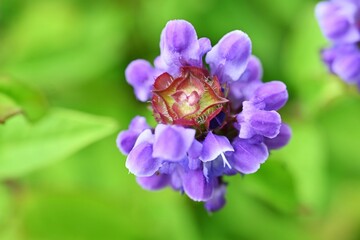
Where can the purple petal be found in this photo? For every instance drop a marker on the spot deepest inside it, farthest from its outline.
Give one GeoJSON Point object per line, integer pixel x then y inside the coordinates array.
{"type": "Point", "coordinates": [176, 181]}
{"type": "Point", "coordinates": [217, 200]}
{"type": "Point", "coordinates": [253, 122]}
{"type": "Point", "coordinates": [338, 20]}
{"type": "Point", "coordinates": [281, 139]}
{"type": "Point", "coordinates": [205, 45]}
{"type": "Point", "coordinates": [213, 146]}
{"type": "Point", "coordinates": [126, 139]}
{"type": "Point", "coordinates": [253, 71]}
{"type": "Point", "coordinates": [154, 182]}
{"type": "Point", "coordinates": [248, 155]}
{"type": "Point", "coordinates": [229, 57]}
{"type": "Point", "coordinates": [194, 154]}
{"type": "Point", "coordinates": [273, 95]}
{"type": "Point", "coordinates": [196, 186]}
{"type": "Point", "coordinates": [140, 163]}
{"type": "Point", "coordinates": [172, 142]}
{"type": "Point", "coordinates": [347, 66]}
{"type": "Point", "coordinates": [140, 74]}
{"type": "Point", "coordinates": [215, 168]}
{"type": "Point", "coordinates": [146, 136]}
{"type": "Point", "coordinates": [138, 124]}
{"type": "Point", "coordinates": [244, 88]}
{"type": "Point", "coordinates": [179, 44]}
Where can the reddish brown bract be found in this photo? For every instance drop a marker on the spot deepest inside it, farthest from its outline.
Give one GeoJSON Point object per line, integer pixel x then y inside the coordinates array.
{"type": "Point", "coordinates": [192, 99]}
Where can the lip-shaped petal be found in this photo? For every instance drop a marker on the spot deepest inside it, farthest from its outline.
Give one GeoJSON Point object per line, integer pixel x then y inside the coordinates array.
{"type": "Point", "coordinates": [229, 57]}
{"type": "Point", "coordinates": [248, 155]}
{"type": "Point", "coordinates": [347, 66]}
{"type": "Point", "coordinates": [141, 75]}
{"type": "Point", "coordinates": [281, 139]}
{"type": "Point", "coordinates": [196, 186]}
{"type": "Point", "coordinates": [179, 44]}
{"type": "Point", "coordinates": [217, 201]}
{"type": "Point", "coordinates": [154, 182]}
{"type": "Point", "coordinates": [253, 122]}
{"type": "Point", "coordinates": [140, 163]}
{"type": "Point", "coordinates": [273, 95]}
{"type": "Point", "coordinates": [213, 146]}
{"type": "Point", "coordinates": [172, 142]}
{"type": "Point", "coordinates": [126, 139]}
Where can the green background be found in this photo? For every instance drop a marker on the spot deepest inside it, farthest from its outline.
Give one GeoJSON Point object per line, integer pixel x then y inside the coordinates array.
{"type": "Point", "coordinates": [64, 98]}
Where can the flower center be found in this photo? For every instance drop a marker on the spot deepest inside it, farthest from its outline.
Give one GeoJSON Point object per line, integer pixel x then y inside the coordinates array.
{"type": "Point", "coordinates": [192, 99]}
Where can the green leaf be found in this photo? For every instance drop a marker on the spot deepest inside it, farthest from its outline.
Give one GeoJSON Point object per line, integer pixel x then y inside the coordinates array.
{"type": "Point", "coordinates": [8, 108]}
{"type": "Point", "coordinates": [339, 122]}
{"type": "Point", "coordinates": [305, 157]}
{"type": "Point", "coordinates": [72, 46]}
{"type": "Point", "coordinates": [32, 102]}
{"type": "Point", "coordinates": [274, 185]}
{"type": "Point", "coordinates": [87, 215]}
{"type": "Point", "coordinates": [4, 205]}
{"type": "Point", "coordinates": [247, 217]}
{"type": "Point", "coordinates": [25, 147]}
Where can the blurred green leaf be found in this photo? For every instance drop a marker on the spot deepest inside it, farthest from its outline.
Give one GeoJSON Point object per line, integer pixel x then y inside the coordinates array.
{"type": "Point", "coordinates": [305, 157]}
{"type": "Point", "coordinates": [85, 215]}
{"type": "Point", "coordinates": [72, 46]}
{"type": "Point", "coordinates": [273, 184]}
{"type": "Point", "coordinates": [247, 217]}
{"type": "Point", "coordinates": [339, 123]}
{"type": "Point", "coordinates": [4, 204]}
{"type": "Point", "coordinates": [25, 147]}
{"type": "Point", "coordinates": [8, 108]}
{"type": "Point", "coordinates": [31, 101]}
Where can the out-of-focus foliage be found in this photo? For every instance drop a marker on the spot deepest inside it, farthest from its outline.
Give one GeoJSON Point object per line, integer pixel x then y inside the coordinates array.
{"type": "Point", "coordinates": [64, 97]}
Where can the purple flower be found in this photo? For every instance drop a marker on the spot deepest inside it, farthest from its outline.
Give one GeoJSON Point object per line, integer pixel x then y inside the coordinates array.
{"type": "Point", "coordinates": [215, 118]}
{"type": "Point", "coordinates": [339, 21]}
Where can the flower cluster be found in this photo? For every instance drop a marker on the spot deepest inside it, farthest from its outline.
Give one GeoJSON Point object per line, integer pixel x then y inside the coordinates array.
{"type": "Point", "coordinates": [215, 115]}
{"type": "Point", "coordinates": [339, 21]}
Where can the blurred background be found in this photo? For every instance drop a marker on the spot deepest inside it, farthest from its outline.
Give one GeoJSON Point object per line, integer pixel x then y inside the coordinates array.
{"type": "Point", "coordinates": [64, 98]}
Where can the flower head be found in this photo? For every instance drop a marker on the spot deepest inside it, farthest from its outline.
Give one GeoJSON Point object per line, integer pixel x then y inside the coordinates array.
{"type": "Point", "coordinates": [339, 21]}
{"type": "Point", "coordinates": [215, 117]}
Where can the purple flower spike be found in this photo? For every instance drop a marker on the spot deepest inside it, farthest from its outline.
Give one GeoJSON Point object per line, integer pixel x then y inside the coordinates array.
{"type": "Point", "coordinates": [126, 139]}
{"type": "Point", "coordinates": [212, 121]}
{"type": "Point", "coordinates": [248, 155]}
{"type": "Point", "coordinates": [339, 21]}
{"type": "Point", "coordinates": [154, 182]}
{"type": "Point", "coordinates": [229, 57]}
{"type": "Point", "coordinates": [172, 142]}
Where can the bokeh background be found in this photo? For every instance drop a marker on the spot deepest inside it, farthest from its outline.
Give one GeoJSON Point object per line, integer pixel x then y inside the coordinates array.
{"type": "Point", "coordinates": [64, 97]}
